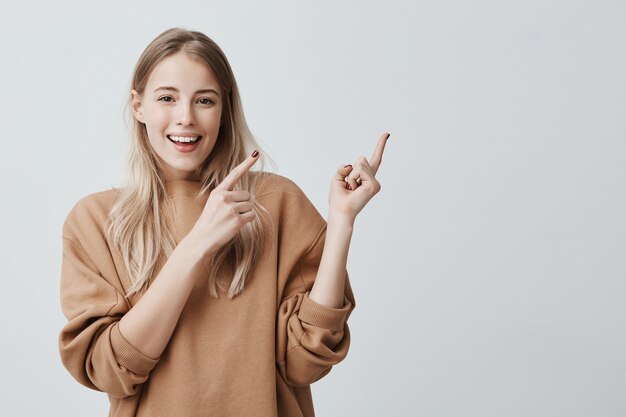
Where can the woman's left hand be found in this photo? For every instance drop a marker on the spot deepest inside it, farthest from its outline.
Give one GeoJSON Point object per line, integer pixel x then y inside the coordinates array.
{"type": "Point", "coordinates": [352, 187]}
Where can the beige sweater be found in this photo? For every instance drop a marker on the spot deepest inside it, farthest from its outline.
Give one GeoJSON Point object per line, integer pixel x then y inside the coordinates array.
{"type": "Point", "coordinates": [254, 355]}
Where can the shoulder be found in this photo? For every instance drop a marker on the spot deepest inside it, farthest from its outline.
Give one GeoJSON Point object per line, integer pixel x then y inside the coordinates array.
{"type": "Point", "coordinates": [89, 213]}
{"type": "Point", "coordinates": [287, 200]}
{"type": "Point", "coordinates": [284, 194]}
{"type": "Point", "coordinates": [270, 183]}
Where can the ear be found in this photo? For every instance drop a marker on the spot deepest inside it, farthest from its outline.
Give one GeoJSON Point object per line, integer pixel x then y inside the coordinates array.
{"type": "Point", "coordinates": [136, 105]}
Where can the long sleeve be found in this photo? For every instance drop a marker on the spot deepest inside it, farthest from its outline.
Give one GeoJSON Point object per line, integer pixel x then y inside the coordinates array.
{"type": "Point", "coordinates": [91, 346]}
{"type": "Point", "coordinates": [311, 337]}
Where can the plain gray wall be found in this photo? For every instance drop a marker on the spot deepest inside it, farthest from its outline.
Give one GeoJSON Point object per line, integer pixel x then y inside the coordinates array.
{"type": "Point", "coordinates": [489, 272]}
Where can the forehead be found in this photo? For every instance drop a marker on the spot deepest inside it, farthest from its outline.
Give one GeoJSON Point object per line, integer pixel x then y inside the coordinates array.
{"type": "Point", "coordinates": [182, 72]}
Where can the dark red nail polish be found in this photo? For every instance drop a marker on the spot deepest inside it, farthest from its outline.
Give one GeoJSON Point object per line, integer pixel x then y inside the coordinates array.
{"type": "Point", "coordinates": [255, 153]}
{"type": "Point", "coordinates": [347, 166]}
{"type": "Point", "coordinates": [347, 186]}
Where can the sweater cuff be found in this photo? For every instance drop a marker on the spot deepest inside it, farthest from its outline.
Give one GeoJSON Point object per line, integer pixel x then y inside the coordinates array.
{"type": "Point", "coordinates": [128, 356]}
{"type": "Point", "coordinates": [323, 316]}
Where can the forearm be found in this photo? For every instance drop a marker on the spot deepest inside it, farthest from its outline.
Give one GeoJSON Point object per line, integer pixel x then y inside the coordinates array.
{"type": "Point", "coordinates": [149, 324]}
{"type": "Point", "coordinates": [328, 288]}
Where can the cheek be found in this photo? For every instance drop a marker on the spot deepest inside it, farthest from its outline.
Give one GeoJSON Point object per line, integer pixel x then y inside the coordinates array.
{"type": "Point", "coordinates": [155, 114]}
{"type": "Point", "coordinates": [156, 125]}
{"type": "Point", "coordinates": [216, 122]}
{"type": "Point", "coordinates": [217, 119]}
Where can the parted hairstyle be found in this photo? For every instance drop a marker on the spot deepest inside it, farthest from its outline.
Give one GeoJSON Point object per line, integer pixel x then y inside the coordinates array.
{"type": "Point", "coordinates": [136, 222]}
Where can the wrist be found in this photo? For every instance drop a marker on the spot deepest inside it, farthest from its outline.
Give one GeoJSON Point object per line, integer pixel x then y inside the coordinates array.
{"type": "Point", "coordinates": [196, 247]}
{"type": "Point", "coordinates": [340, 220]}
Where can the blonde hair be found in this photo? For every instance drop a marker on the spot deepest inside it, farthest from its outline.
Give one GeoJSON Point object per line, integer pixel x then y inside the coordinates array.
{"type": "Point", "coordinates": [136, 222]}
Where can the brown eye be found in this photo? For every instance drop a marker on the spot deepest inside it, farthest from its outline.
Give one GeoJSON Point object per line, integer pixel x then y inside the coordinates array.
{"type": "Point", "coordinates": [209, 101]}
{"type": "Point", "coordinates": [161, 99]}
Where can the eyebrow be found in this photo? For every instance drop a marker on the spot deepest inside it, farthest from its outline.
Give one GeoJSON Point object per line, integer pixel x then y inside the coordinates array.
{"type": "Point", "coordinates": [168, 88]}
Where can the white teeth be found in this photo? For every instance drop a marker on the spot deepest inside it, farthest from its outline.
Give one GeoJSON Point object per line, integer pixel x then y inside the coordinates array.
{"type": "Point", "coordinates": [184, 138]}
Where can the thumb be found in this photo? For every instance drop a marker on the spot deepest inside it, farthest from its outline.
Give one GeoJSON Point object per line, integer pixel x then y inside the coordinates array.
{"type": "Point", "coordinates": [342, 172]}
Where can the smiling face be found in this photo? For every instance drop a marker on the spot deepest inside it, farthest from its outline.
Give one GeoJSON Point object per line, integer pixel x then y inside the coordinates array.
{"type": "Point", "coordinates": [181, 98]}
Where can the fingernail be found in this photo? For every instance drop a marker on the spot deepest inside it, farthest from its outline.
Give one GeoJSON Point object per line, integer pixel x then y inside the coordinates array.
{"type": "Point", "coordinates": [347, 186]}
{"type": "Point", "coordinates": [388, 134]}
{"type": "Point", "coordinates": [255, 153]}
{"type": "Point", "coordinates": [347, 166]}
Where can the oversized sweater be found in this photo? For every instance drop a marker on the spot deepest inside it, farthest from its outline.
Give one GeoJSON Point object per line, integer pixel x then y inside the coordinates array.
{"type": "Point", "coordinates": [254, 355]}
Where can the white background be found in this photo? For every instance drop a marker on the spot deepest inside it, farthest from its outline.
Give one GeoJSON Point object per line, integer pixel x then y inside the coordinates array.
{"type": "Point", "coordinates": [489, 272]}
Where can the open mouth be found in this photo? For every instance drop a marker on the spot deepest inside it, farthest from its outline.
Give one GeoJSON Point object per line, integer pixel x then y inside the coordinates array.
{"type": "Point", "coordinates": [198, 138]}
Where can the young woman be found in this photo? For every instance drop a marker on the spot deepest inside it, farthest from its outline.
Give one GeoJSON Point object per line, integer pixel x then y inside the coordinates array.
{"type": "Point", "coordinates": [202, 287]}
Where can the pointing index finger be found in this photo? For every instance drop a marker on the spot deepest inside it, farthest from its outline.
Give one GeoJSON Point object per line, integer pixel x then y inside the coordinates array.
{"type": "Point", "coordinates": [377, 157]}
{"type": "Point", "coordinates": [233, 176]}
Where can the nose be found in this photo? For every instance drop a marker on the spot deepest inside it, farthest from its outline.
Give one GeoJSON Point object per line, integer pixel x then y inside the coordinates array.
{"type": "Point", "coordinates": [186, 116]}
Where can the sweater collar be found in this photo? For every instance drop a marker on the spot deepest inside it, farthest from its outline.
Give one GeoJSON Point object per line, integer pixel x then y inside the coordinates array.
{"type": "Point", "coordinates": [188, 187]}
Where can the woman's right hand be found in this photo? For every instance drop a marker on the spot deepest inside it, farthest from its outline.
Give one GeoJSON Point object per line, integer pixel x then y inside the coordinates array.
{"type": "Point", "coordinates": [225, 212]}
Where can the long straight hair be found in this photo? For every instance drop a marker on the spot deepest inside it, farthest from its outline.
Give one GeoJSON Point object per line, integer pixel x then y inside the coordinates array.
{"type": "Point", "coordinates": [137, 223]}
